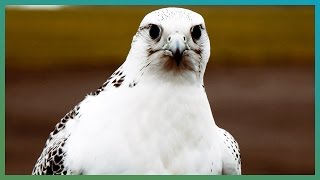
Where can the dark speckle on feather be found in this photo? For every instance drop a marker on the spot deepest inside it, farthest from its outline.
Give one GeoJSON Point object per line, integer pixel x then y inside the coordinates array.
{"type": "Point", "coordinates": [132, 84]}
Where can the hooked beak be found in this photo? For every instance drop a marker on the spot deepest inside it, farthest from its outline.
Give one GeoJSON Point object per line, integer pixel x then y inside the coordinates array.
{"type": "Point", "coordinates": [176, 43]}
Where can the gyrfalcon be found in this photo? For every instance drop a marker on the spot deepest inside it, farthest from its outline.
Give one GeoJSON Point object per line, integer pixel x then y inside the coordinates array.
{"type": "Point", "coordinates": [152, 116]}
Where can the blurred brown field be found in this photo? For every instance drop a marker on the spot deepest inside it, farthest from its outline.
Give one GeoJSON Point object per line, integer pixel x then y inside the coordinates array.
{"type": "Point", "coordinates": [259, 80]}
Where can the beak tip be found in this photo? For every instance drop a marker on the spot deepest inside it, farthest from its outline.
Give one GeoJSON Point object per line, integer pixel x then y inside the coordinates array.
{"type": "Point", "coordinates": [177, 57]}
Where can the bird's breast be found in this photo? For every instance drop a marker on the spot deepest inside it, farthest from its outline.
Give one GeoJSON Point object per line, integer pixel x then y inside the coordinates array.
{"type": "Point", "coordinates": [147, 130]}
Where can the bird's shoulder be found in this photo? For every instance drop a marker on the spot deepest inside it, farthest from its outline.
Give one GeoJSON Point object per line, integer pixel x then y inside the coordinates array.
{"type": "Point", "coordinates": [117, 79]}
{"type": "Point", "coordinates": [230, 153]}
{"type": "Point", "coordinates": [51, 160]}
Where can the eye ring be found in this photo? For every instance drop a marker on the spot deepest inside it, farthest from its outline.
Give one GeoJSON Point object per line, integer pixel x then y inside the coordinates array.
{"type": "Point", "coordinates": [196, 32]}
{"type": "Point", "coordinates": [154, 31]}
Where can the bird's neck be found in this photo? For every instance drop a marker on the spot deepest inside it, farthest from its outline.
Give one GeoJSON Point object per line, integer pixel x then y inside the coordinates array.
{"type": "Point", "coordinates": [141, 70]}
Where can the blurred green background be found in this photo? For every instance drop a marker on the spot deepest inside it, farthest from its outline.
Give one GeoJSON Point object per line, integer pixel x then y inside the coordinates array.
{"type": "Point", "coordinates": [249, 35]}
{"type": "Point", "coordinates": [259, 80]}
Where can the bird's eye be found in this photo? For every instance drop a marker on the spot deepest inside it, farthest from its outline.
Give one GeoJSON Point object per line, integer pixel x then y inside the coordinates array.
{"type": "Point", "coordinates": [196, 32]}
{"type": "Point", "coordinates": [154, 31]}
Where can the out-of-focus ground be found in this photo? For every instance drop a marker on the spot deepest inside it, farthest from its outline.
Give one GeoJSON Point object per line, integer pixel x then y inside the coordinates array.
{"type": "Point", "coordinates": [259, 81]}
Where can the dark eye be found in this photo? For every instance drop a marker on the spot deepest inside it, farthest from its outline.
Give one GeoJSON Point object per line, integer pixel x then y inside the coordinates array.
{"type": "Point", "coordinates": [154, 31]}
{"type": "Point", "coordinates": [196, 32]}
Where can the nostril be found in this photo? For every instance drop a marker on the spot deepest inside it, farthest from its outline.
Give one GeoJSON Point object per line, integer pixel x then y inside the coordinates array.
{"type": "Point", "coordinates": [184, 38]}
{"type": "Point", "coordinates": [169, 38]}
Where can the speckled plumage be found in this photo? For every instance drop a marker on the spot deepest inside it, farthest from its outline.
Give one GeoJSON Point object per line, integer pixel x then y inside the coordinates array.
{"type": "Point", "coordinates": [52, 157]}
{"type": "Point", "coordinates": [152, 116]}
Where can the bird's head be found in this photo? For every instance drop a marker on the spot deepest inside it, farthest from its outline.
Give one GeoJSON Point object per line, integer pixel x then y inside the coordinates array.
{"type": "Point", "coordinates": [172, 43]}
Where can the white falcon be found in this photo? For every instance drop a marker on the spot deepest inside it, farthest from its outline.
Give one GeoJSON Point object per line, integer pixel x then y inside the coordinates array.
{"type": "Point", "coordinates": [152, 116]}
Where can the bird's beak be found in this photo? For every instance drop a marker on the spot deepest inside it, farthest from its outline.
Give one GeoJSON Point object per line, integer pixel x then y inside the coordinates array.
{"type": "Point", "coordinates": [176, 43]}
